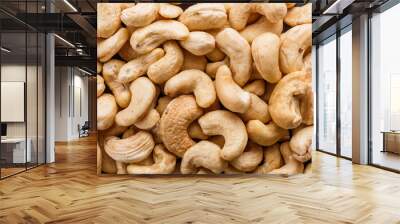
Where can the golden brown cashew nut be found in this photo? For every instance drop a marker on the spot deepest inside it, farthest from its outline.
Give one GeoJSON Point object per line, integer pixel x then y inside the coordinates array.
{"type": "Point", "coordinates": [163, 103]}
{"type": "Point", "coordinates": [284, 105]}
{"type": "Point", "coordinates": [258, 110]}
{"type": "Point", "coordinates": [170, 11]}
{"type": "Point", "coordinates": [267, 61]}
{"type": "Point", "coordinates": [256, 87]}
{"type": "Point", "coordinates": [174, 122]}
{"type": "Point", "coordinates": [292, 166]}
{"type": "Point", "coordinates": [143, 93]}
{"type": "Point", "coordinates": [192, 61]}
{"type": "Point", "coordinates": [204, 16]}
{"type": "Point", "coordinates": [262, 25]}
{"type": "Point", "coordinates": [138, 66]}
{"type": "Point", "coordinates": [164, 163]}
{"type": "Point", "coordinates": [195, 81]}
{"type": "Point", "coordinates": [301, 142]}
{"type": "Point", "coordinates": [142, 14]}
{"type": "Point", "coordinates": [163, 69]}
{"type": "Point", "coordinates": [106, 110]}
{"type": "Point", "coordinates": [294, 43]}
{"type": "Point", "coordinates": [299, 15]}
{"type": "Point", "coordinates": [100, 85]}
{"type": "Point", "coordinates": [249, 160]}
{"type": "Point", "coordinates": [145, 39]}
{"type": "Point", "coordinates": [107, 48]}
{"type": "Point", "coordinates": [120, 91]}
{"type": "Point", "coordinates": [198, 43]}
{"type": "Point", "coordinates": [272, 159]}
{"type": "Point", "coordinates": [130, 150]}
{"type": "Point", "coordinates": [195, 131]}
{"type": "Point", "coordinates": [238, 50]}
{"type": "Point", "coordinates": [229, 93]}
{"type": "Point", "coordinates": [108, 21]}
{"type": "Point", "coordinates": [229, 125]}
{"type": "Point", "coordinates": [149, 120]}
{"type": "Point", "coordinates": [265, 135]}
{"type": "Point", "coordinates": [274, 12]}
{"type": "Point", "coordinates": [203, 154]}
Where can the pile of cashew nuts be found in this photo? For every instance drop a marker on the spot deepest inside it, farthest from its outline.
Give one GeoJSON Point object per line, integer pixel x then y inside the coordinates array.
{"type": "Point", "coordinates": [207, 88]}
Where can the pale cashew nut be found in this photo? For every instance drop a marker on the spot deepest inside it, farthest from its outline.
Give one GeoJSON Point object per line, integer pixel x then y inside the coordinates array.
{"type": "Point", "coordinates": [239, 14]}
{"type": "Point", "coordinates": [204, 16]}
{"type": "Point", "coordinates": [148, 121]}
{"type": "Point", "coordinates": [131, 149]}
{"type": "Point", "coordinates": [163, 103]}
{"type": "Point", "coordinates": [215, 55]}
{"type": "Point", "coordinates": [100, 85]}
{"type": "Point", "coordinates": [110, 75]}
{"type": "Point", "coordinates": [138, 66]}
{"type": "Point", "coordinates": [265, 135]}
{"type": "Point", "coordinates": [106, 111]}
{"type": "Point", "coordinates": [195, 81]}
{"type": "Point", "coordinates": [164, 163]}
{"type": "Point", "coordinates": [238, 50]}
{"type": "Point", "coordinates": [203, 154]}
{"type": "Point", "coordinates": [274, 12]}
{"type": "Point", "coordinates": [292, 166]}
{"type": "Point", "coordinates": [145, 39]}
{"type": "Point", "coordinates": [143, 93]}
{"type": "Point", "coordinates": [301, 142]}
{"type": "Point", "coordinates": [299, 15]}
{"type": "Point", "coordinates": [261, 26]}
{"type": "Point", "coordinates": [107, 48]}
{"type": "Point", "coordinates": [212, 68]}
{"type": "Point", "coordinates": [284, 105]}
{"type": "Point", "coordinates": [198, 43]}
{"type": "Point", "coordinates": [229, 125]}
{"type": "Point", "coordinates": [192, 61]}
{"type": "Point", "coordinates": [267, 61]}
{"type": "Point", "coordinates": [294, 43]}
{"type": "Point", "coordinates": [195, 131]}
{"type": "Point", "coordinates": [175, 121]}
{"type": "Point", "coordinates": [142, 14]}
{"type": "Point", "coordinates": [258, 110]}
{"type": "Point", "coordinates": [272, 159]}
{"type": "Point", "coordinates": [229, 93]}
{"type": "Point", "coordinates": [256, 87]}
{"type": "Point", "coordinates": [163, 69]}
{"type": "Point", "coordinates": [170, 11]}
{"type": "Point", "coordinates": [249, 160]}
{"type": "Point", "coordinates": [108, 19]}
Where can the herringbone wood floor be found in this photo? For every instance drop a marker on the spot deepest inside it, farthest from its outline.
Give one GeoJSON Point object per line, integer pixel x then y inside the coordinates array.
{"type": "Point", "coordinates": [70, 192]}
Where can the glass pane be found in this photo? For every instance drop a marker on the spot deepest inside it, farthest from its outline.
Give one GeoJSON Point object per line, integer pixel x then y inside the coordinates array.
{"type": "Point", "coordinates": [385, 114]}
{"type": "Point", "coordinates": [41, 99]}
{"type": "Point", "coordinates": [327, 96]}
{"type": "Point", "coordinates": [346, 94]}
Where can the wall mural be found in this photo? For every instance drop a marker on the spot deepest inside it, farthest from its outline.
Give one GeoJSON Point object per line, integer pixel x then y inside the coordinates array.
{"type": "Point", "coordinates": [208, 88]}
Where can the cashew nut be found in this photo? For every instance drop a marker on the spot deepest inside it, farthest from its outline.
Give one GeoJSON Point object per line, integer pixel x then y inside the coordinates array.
{"type": "Point", "coordinates": [204, 16]}
{"type": "Point", "coordinates": [238, 50]}
{"type": "Point", "coordinates": [129, 132]}
{"type": "Point", "coordinates": [299, 15]}
{"type": "Point", "coordinates": [249, 160]}
{"type": "Point", "coordinates": [108, 19]}
{"type": "Point", "coordinates": [100, 85]}
{"type": "Point", "coordinates": [212, 68]}
{"type": "Point", "coordinates": [164, 163]}
{"type": "Point", "coordinates": [107, 48]}
{"type": "Point", "coordinates": [170, 11]}
{"type": "Point", "coordinates": [99, 67]}
{"type": "Point", "coordinates": [163, 103]}
{"type": "Point", "coordinates": [292, 166]}
{"type": "Point", "coordinates": [258, 110]}
{"type": "Point", "coordinates": [120, 91]}
{"type": "Point", "coordinates": [261, 26]}
{"type": "Point", "coordinates": [106, 110]}
{"type": "Point", "coordinates": [239, 14]}
{"type": "Point", "coordinates": [148, 121]}
{"type": "Point", "coordinates": [142, 14]}
{"type": "Point", "coordinates": [265, 135]}
{"type": "Point", "coordinates": [175, 121]}
{"type": "Point", "coordinates": [114, 130]}
{"type": "Point", "coordinates": [195, 131]}
{"type": "Point", "coordinates": [272, 159]}
{"type": "Point", "coordinates": [203, 154]}
{"type": "Point", "coordinates": [300, 143]}
{"type": "Point", "coordinates": [215, 55]}
{"type": "Point", "coordinates": [107, 163]}
{"type": "Point", "coordinates": [307, 106]}
{"type": "Point", "coordinates": [195, 81]}
{"type": "Point", "coordinates": [127, 53]}
{"type": "Point", "coordinates": [274, 12]}
{"type": "Point", "coordinates": [192, 61]}
{"type": "Point", "coordinates": [229, 93]}
{"type": "Point", "coordinates": [307, 63]}
{"type": "Point", "coordinates": [143, 93]}
{"type": "Point", "coordinates": [145, 39]}
{"type": "Point", "coordinates": [229, 125]}
{"type": "Point", "coordinates": [163, 69]}
{"type": "Point", "coordinates": [256, 87]}
{"type": "Point", "coordinates": [198, 43]}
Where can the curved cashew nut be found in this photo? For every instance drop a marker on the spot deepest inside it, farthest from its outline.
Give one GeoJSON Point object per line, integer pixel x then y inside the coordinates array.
{"type": "Point", "coordinates": [294, 43]}
{"type": "Point", "coordinates": [143, 93]}
{"type": "Point", "coordinates": [272, 159]}
{"type": "Point", "coordinates": [195, 81]}
{"type": "Point", "coordinates": [142, 14]}
{"type": "Point", "coordinates": [120, 91]}
{"type": "Point", "coordinates": [292, 166]}
{"type": "Point", "coordinates": [299, 15]}
{"type": "Point", "coordinates": [130, 150]}
{"type": "Point", "coordinates": [195, 131]}
{"type": "Point", "coordinates": [274, 12]}
{"type": "Point", "coordinates": [107, 48]}
{"type": "Point", "coordinates": [262, 25]}
{"type": "Point", "coordinates": [265, 135]}
{"type": "Point", "coordinates": [267, 61]}
{"type": "Point", "coordinates": [203, 154]}
{"type": "Point", "coordinates": [229, 93]}
{"type": "Point", "coordinates": [100, 85]}
{"type": "Point", "coordinates": [239, 15]}
{"type": "Point", "coordinates": [108, 19]}
{"type": "Point", "coordinates": [301, 142]}
{"type": "Point", "coordinates": [257, 87]}
{"type": "Point", "coordinates": [148, 121]}
{"type": "Point", "coordinates": [106, 111]}
{"type": "Point", "coordinates": [198, 43]}
{"type": "Point", "coordinates": [249, 160]}
{"type": "Point", "coordinates": [238, 50]}
{"type": "Point", "coordinates": [192, 61]}
{"type": "Point", "coordinates": [163, 69]}
{"type": "Point", "coordinates": [170, 11]}
{"type": "Point", "coordinates": [284, 103]}
{"type": "Point", "coordinates": [144, 40]}
{"type": "Point", "coordinates": [258, 110]}
{"type": "Point", "coordinates": [204, 16]}
{"type": "Point", "coordinates": [164, 163]}
{"type": "Point", "coordinates": [163, 103]}
{"type": "Point", "coordinates": [138, 66]}
{"type": "Point", "coordinates": [229, 125]}
{"type": "Point", "coordinates": [174, 122]}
